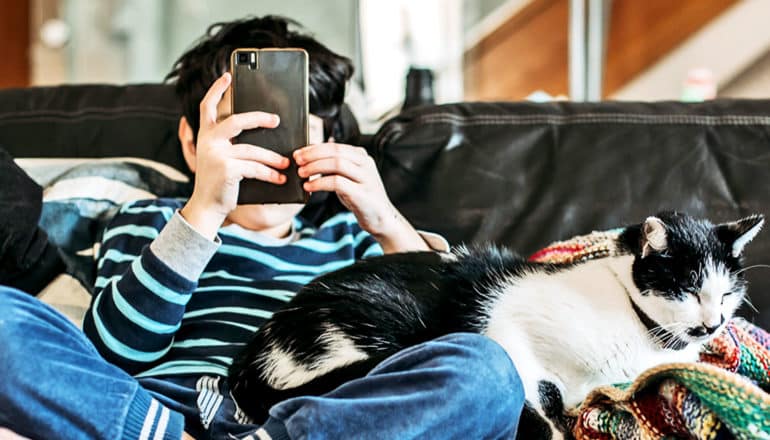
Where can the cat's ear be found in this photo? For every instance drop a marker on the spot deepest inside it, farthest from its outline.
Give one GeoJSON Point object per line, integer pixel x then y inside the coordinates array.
{"type": "Point", "coordinates": [653, 236]}
{"type": "Point", "coordinates": [739, 233]}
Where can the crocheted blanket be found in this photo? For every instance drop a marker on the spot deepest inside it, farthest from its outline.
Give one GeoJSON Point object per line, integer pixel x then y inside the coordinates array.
{"type": "Point", "coordinates": [723, 396]}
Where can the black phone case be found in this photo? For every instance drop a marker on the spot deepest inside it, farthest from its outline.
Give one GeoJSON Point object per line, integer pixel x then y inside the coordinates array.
{"type": "Point", "coordinates": [274, 81]}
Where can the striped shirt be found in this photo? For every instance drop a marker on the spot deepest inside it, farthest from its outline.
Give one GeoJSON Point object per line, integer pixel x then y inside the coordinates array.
{"type": "Point", "coordinates": [154, 314]}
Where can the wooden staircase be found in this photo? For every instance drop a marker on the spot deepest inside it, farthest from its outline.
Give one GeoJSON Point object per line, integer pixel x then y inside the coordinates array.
{"type": "Point", "coordinates": [528, 51]}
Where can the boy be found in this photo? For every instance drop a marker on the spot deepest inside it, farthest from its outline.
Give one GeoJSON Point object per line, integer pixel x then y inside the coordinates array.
{"type": "Point", "coordinates": [182, 285]}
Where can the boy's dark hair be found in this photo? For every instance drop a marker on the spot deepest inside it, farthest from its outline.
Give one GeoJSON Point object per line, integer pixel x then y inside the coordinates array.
{"type": "Point", "coordinates": [198, 68]}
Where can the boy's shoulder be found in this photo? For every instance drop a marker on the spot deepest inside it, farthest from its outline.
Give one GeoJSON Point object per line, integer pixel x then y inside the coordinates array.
{"type": "Point", "coordinates": [140, 219]}
{"type": "Point", "coordinates": [150, 211]}
{"type": "Point", "coordinates": [152, 205]}
{"type": "Point", "coordinates": [174, 203]}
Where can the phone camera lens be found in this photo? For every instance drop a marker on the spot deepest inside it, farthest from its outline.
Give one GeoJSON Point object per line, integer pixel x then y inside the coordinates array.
{"type": "Point", "coordinates": [243, 58]}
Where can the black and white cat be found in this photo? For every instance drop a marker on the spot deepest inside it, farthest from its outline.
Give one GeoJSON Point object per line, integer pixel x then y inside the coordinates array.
{"type": "Point", "coordinates": [568, 328]}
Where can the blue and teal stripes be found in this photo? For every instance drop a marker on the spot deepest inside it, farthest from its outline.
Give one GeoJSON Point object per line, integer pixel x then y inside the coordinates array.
{"type": "Point", "coordinates": [151, 321]}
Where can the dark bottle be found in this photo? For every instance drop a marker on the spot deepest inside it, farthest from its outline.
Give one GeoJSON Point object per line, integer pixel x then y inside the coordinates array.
{"type": "Point", "coordinates": [419, 88]}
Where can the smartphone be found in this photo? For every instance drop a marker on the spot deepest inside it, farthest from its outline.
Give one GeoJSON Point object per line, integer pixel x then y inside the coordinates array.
{"type": "Point", "coordinates": [273, 81]}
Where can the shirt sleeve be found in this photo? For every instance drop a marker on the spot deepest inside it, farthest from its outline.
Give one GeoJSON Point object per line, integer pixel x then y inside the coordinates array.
{"type": "Point", "coordinates": [435, 242]}
{"type": "Point", "coordinates": [150, 261]}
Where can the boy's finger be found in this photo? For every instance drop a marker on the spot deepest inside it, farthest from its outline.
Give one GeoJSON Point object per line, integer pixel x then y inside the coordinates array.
{"type": "Point", "coordinates": [259, 154]}
{"type": "Point", "coordinates": [336, 184]}
{"type": "Point", "coordinates": [256, 170]}
{"type": "Point", "coordinates": [337, 165]}
{"type": "Point", "coordinates": [235, 124]}
{"type": "Point", "coordinates": [357, 155]}
{"type": "Point", "coordinates": [208, 106]}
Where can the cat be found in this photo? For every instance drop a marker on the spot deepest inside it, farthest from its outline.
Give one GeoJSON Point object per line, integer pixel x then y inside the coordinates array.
{"type": "Point", "coordinates": [672, 283]}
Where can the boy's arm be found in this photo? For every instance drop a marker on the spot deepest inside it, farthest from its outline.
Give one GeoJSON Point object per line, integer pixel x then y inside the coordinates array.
{"type": "Point", "coordinates": [366, 245]}
{"type": "Point", "coordinates": [147, 272]}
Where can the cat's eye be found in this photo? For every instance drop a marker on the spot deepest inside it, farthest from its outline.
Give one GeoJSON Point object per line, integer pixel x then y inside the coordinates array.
{"type": "Point", "coordinates": [724, 295]}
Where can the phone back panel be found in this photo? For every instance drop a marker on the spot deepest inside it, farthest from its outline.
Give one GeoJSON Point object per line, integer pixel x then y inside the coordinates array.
{"type": "Point", "coordinates": [274, 81]}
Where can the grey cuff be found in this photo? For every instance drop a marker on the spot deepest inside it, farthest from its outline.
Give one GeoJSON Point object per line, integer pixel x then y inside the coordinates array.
{"type": "Point", "coordinates": [183, 249]}
{"type": "Point", "coordinates": [434, 241]}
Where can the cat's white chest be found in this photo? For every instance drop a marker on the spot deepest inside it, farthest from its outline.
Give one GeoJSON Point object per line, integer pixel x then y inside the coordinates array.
{"type": "Point", "coordinates": [575, 328]}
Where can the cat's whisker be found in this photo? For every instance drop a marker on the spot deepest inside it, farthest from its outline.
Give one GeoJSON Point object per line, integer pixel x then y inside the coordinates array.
{"type": "Point", "coordinates": [657, 331]}
{"type": "Point", "coordinates": [676, 336]}
{"type": "Point", "coordinates": [670, 334]}
{"type": "Point", "coordinates": [669, 340]}
{"type": "Point", "coordinates": [766, 266]}
{"type": "Point", "coordinates": [672, 326]}
{"type": "Point", "coordinates": [748, 301]}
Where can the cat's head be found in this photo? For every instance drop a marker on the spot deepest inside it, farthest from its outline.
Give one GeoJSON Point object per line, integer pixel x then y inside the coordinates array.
{"type": "Point", "coordinates": [688, 273]}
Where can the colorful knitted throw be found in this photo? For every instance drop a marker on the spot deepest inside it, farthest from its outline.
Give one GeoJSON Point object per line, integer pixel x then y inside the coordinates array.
{"type": "Point", "coordinates": [723, 396]}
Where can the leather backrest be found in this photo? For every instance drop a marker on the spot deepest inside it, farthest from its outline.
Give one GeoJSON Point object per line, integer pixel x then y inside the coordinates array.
{"type": "Point", "coordinates": [525, 174]}
{"type": "Point", "coordinates": [83, 121]}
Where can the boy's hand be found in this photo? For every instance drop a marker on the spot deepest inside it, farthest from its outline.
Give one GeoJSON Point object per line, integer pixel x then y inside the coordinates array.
{"type": "Point", "coordinates": [221, 165]}
{"type": "Point", "coordinates": [351, 173]}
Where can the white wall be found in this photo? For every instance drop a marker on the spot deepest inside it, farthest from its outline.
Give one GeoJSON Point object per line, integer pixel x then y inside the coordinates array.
{"type": "Point", "coordinates": [119, 41]}
{"type": "Point", "coordinates": [398, 34]}
{"type": "Point", "coordinates": [753, 83]}
{"type": "Point", "coordinates": [331, 21]}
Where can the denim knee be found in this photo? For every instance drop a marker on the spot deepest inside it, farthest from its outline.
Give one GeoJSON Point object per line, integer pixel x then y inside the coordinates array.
{"type": "Point", "coordinates": [12, 338]}
{"type": "Point", "coordinates": [484, 375]}
{"type": "Point", "coordinates": [484, 361]}
{"type": "Point", "coordinates": [13, 311]}
{"type": "Point", "coordinates": [459, 386]}
{"type": "Point", "coordinates": [21, 315]}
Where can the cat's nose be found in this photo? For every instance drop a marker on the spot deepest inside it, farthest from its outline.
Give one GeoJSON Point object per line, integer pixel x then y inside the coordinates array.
{"type": "Point", "coordinates": [703, 330]}
{"type": "Point", "coordinates": [712, 329]}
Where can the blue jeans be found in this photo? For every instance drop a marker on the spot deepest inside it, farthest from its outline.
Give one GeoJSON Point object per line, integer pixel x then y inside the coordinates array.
{"type": "Point", "coordinates": [54, 384]}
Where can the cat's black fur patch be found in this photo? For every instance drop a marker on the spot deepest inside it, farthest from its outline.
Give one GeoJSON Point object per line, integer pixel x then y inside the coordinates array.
{"type": "Point", "coordinates": [689, 242]}
{"type": "Point", "coordinates": [553, 406]}
{"type": "Point", "coordinates": [532, 425]}
{"type": "Point", "coordinates": [384, 304]}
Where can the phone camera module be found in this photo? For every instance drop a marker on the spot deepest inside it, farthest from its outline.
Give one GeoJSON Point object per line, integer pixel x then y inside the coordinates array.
{"type": "Point", "coordinates": [243, 58]}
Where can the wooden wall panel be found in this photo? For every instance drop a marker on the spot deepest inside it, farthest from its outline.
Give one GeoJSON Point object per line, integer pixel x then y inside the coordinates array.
{"type": "Point", "coordinates": [14, 43]}
{"type": "Point", "coordinates": [529, 51]}
{"type": "Point", "coordinates": [643, 32]}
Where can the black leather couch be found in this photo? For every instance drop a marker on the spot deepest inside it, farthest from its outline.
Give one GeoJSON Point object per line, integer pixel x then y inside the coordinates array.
{"type": "Point", "coordinates": [520, 174]}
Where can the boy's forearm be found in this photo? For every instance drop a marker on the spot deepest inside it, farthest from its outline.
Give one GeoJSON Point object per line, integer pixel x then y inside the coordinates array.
{"type": "Point", "coordinates": [203, 219]}
{"type": "Point", "coordinates": [401, 236]}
